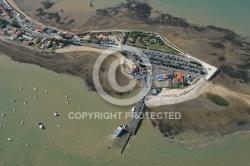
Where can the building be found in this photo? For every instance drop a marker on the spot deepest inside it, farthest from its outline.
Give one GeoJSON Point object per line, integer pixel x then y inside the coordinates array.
{"type": "Point", "coordinates": [27, 42]}
{"type": "Point", "coordinates": [160, 77]}
{"type": "Point", "coordinates": [68, 36]}
{"type": "Point", "coordinates": [154, 92]}
{"type": "Point", "coordinates": [50, 31]}
{"type": "Point", "coordinates": [165, 76]}
{"type": "Point", "coordinates": [39, 29]}
{"type": "Point", "coordinates": [16, 33]}
{"type": "Point", "coordinates": [179, 78]}
{"type": "Point", "coordinates": [133, 68]}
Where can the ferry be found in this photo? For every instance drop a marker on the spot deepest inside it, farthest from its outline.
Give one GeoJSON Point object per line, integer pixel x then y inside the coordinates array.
{"type": "Point", "coordinates": [133, 109]}
{"type": "Point", "coordinates": [120, 129]}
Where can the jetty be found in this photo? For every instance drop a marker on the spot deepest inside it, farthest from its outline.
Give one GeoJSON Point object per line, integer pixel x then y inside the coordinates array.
{"type": "Point", "coordinates": [132, 128]}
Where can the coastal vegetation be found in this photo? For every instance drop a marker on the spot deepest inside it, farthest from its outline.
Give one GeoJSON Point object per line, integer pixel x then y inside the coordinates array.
{"type": "Point", "coordinates": [148, 40]}
{"type": "Point", "coordinates": [217, 99]}
{"type": "Point", "coordinates": [47, 4]}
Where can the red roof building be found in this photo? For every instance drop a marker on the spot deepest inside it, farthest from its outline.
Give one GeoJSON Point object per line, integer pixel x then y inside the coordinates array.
{"type": "Point", "coordinates": [179, 77]}
{"type": "Point", "coordinates": [39, 29]}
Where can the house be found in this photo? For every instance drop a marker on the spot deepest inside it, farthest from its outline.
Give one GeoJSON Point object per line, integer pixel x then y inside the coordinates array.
{"type": "Point", "coordinates": [95, 40]}
{"type": "Point", "coordinates": [68, 36]}
{"type": "Point", "coordinates": [44, 46]}
{"type": "Point", "coordinates": [27, 42]}
{"type": "Point", "coordinates": [131, 40]}
{"type": "Point", "coordinates": [35, 40]}
{"type": "Point", "coordinates": [106, 33]}
{"type": "Point", "coordinates": [7, 14]}
{"type": "Point", "coordinates": [50, 31]}
{"type": "Point", "coordinates": [39, 29]}
{"type": "Point", "coordinates": [28, 36]}
{"type": "Point", "coordinates": [21, 16]}
{"type": "Point", "coordinates": [15, 33]}
{"type": "Point", "coordinates": [61, 44]}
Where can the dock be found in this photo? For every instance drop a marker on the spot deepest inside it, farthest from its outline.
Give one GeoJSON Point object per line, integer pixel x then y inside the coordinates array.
{"type": "Point", "coordinates": [132, 129]}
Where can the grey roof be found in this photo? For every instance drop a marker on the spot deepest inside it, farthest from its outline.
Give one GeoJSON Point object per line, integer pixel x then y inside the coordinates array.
{"type": "Point", "coordinates": [50, 30]}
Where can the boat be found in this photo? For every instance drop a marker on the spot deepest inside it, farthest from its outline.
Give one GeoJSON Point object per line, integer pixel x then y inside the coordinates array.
{"type": "Point", "coordinates": [46, 91]}
{"type": "Point", "coordinates": [14, 109]}
{"type": "Point", "coordinates": [20, 88]}
{"type": "Point", "coordinates": [35, 97]}
{"type": "Point", "coordinates": [9, 139]}
{"type": "Point", "coordinates": [66, 96]}
{"type": "Point", "coordinates": [120, 130]}
{"type": "Point", "coordinates": [67, 102]}
{"type": "Point", "coordinates": [41, 126]}
{"type": "Point", "coordinates": [56, 114]}
{"type": "Point", "coordinates": [35, 89]}
{"type": "Point", "coordinates": [133, 109]}
{"type": "Point", "coordinates": [80, 108]}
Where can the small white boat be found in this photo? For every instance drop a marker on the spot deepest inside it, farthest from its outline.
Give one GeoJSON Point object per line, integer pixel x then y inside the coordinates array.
{"type": "Point", "coordinates": [9, 139]}
{"type": "Point", "coordinates": [41, 126]}
{"type": "Point", "coordinates": [24, 112]}
{"type": "Point", "coordinates": [68, 102]}
{"type": "Point", "coordinates": [22, 122]}
{"type": "Point", "coordinates": [14, 109]}
{"type": "Point", "coordinates": [21, 88]}
{"type": "Point", "coordinates": [35, 89]}
{"type": "Point", "coordinates": [27, 144]}
{"type": "Point", "coordinates": [80, 108]}
{"type": "Point", "coordinates": [46, 91]}
{"type": "Point", "coordinates": [1, 127]}
{"type": "Point", "coordinates": [3, 115]}
{"type": "Point", "coordinates": [58, 125]}
{"type": "Point", "coordinates": [13, 100]}
{"type": "Point", "coordinates": [24, 103]}
{"type": "Point", "coordinates": [56, 113]}
{"type": "Point", "coordinates": [35, 97]}
{"type": "Point", "coordinates": [66, 96]}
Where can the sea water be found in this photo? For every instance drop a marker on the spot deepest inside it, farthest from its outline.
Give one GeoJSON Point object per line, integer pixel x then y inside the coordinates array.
{"type": "Point", "coordinates": [86, 141]}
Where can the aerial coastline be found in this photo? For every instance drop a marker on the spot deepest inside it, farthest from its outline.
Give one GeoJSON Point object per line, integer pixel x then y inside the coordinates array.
{"type": "Point", "coordinates": [227, 37]}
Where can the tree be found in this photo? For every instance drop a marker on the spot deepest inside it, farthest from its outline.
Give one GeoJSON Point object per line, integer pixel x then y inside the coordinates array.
{"type": "Point", "coordinates": [15, 24]}
{"type": "Point", "coordinates": [3, 23]}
